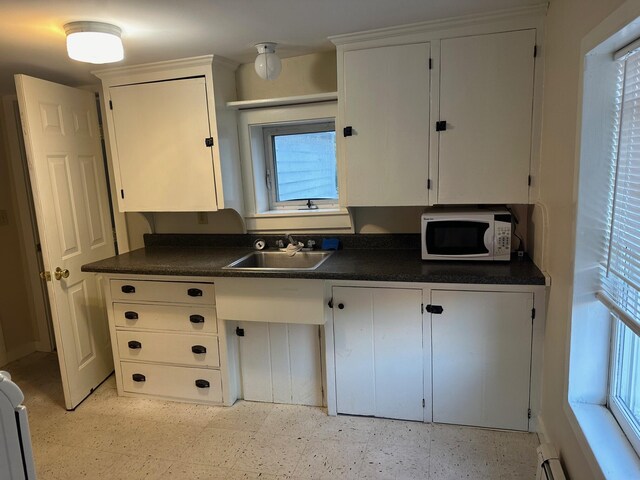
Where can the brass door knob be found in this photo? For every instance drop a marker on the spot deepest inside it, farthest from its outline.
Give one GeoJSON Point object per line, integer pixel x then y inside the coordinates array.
{"type": "Point", "coordinates": [61, 273]}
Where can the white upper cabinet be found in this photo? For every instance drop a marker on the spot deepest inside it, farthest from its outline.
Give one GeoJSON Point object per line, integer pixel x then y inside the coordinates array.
{"type": "Point", "coordinates": [385, 99]}
{"type": "Point", "coordinates": [174, 147]}
{"type": "Point", "coordinates": [440, 113]}
{"type": "Point", "coordinates": [486, 100]}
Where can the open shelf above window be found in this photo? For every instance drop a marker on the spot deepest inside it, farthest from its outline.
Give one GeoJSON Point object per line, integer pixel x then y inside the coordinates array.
{"type": "Point", "coordinates": [276, 102]}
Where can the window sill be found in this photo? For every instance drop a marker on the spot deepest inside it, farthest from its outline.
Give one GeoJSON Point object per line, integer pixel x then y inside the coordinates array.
{"type": "Point", "coordinates": [612, 452]}
{"type": "Point", "coordinates": [336, 220]}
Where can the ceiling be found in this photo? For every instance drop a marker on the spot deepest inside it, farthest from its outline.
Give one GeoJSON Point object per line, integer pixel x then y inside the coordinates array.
{"type": "Point", "coordinates": [32, 39]}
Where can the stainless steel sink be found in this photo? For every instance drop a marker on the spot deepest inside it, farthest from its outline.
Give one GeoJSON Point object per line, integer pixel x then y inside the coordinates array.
{"type": "Point", "coordinates": [279, 261]}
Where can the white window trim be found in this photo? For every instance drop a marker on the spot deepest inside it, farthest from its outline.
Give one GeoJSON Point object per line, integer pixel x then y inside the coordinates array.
{"type": "Point", "coordinates": [607, 449]}
{"type": "Point", "coordinates": [258, 215]}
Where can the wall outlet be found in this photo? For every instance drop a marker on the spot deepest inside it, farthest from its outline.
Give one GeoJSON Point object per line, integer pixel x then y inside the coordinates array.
{"type": "Point", "coordinates": [4, 217]}
{"type": "Point", "coordinates": [203, 218]}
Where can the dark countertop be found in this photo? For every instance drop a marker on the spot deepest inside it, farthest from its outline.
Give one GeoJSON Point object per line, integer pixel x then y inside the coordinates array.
{"type": "Point", "coordinates": [373, 264]}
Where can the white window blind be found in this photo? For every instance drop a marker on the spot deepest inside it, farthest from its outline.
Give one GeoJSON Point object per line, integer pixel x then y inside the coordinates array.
{"type": "Point", "coordinates": [621, 277]}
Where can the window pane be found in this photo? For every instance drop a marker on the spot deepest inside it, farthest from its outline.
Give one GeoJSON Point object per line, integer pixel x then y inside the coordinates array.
{"type": "Point", "coordinates": [305, 165]}
{"type": "Point", "coordinates": [626, 388]}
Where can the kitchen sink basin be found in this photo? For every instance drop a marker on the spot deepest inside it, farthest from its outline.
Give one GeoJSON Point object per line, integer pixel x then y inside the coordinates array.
{"type": "Point", "coordinates": [279, 261]}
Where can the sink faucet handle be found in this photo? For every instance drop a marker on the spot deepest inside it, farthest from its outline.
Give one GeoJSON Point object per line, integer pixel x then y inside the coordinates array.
{"type": "Point", "coordinates": [311, 243]}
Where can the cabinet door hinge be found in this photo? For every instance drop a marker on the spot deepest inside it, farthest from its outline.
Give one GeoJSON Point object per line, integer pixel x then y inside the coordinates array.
{"type": "Point", "coordinates": [110, 105]}
{"type": "Point", "coordinates": [529, 180]}
{"type": "Point", "coordinates": [208, 141]}
{"type": "Point", "coordinates": [441, 125]}
{"type": "Point", "coordinates": [529, 413]}
{"type": "Point", "coordinates": [430, 64]}
{"type": "Point", "coordinates": [533, 313]}
{"type": "Point", "coordinates": [330, 304]}
{"type": "Point", "coordinates": [535, 51]}
{"type": "Point", "coordinates": [435, 309]}
{"type": "Point", "coordinates": [428, 184]}
{"type": "Point", "coordinates": [422, 308]}
{"type": "Point", "coordinates": [240, 332]}
{"type": "Point", "coordinates": [122, 193]}
{"type": "Point", "coordinates": [423, 403]}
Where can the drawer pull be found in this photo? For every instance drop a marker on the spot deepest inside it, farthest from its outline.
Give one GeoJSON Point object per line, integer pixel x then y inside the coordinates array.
{"type": "Point", "coordinates": [202, 383]}
{"type": "Point", "coordinates": [199, 349]}
{"type": "Point", "coordinates": [138, 377]}
{"type": "Point", "coordinates": [133, 344]}
{"type": "Point", "coordinates": [131, 315]}
{"type": "Point", "coordinates": [194, 292]}
{"type": "Point", "coordinates": [196, 319]}
{"type": "Point", "coordinates": [128, 289]}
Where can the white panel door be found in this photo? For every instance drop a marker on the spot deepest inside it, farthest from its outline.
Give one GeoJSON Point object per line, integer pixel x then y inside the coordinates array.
{"type": "Point", "coordinates": [66, 167]}
{"type": "Point", "coordinates": [386, 102]}
{"type": "Point", "coordinates": [486, 98]}
{"type": "Point", "coordinates": [482, 358]}
{"type": "Point", "coordinates": [162, 159]}
{"type": "Point", "coordinates": [378, 352]}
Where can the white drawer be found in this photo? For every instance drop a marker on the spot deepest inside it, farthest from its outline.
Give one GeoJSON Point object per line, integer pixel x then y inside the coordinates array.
{"type": "Point", "coordinates": [178, 383]}
{"type": "Point", "coordinates": [196, 319]}
{"type": "Point", "coordinates": [185, 349]}
{"type": "Point", "coordinates": [169, 292]}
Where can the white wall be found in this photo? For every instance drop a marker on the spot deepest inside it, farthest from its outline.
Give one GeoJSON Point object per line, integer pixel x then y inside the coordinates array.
{"type": "Point", "coordinates": [553, 221]}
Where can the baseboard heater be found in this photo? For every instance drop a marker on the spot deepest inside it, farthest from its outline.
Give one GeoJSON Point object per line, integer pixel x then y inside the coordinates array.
{"type": "Point", "coordinates": [549, 466]}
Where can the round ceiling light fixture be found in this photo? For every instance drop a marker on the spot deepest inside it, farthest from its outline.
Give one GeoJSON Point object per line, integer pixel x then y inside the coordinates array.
{"type": "Point", "coordinates": [268, 64]}
{"type": "Point", "coordinates": [94, 42]}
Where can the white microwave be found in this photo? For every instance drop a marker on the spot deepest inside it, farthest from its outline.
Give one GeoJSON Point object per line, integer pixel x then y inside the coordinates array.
{"type": "Point", "coordinates": [466, 235]}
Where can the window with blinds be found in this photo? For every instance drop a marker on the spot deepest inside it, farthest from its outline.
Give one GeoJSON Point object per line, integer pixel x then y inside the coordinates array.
{"type": "Point", "coordinates": [621, 277]}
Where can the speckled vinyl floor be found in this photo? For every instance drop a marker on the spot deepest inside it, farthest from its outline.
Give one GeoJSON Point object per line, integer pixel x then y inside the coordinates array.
{"type": "Point", "coordinates": [111, 437]}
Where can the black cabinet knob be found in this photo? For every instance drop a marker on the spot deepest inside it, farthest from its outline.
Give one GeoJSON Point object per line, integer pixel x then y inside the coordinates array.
{"type": "Point", "coordinates": [128, 289]}
{"type": "Point", "coordinates": [131, 315]}
{"type": "Point", "coordinates": [133, 344]}
{"type": "Point", "coordinates": [196, 318]}
{"type": "Point", "coordinates": [138, 377]}
{"type": "Point", "coordinates": [347, 131]}
{"type": "Point", "coordinates": [341, 306]}
{"type": "Point", "coordinates": [202, 383]}
{"type": "Point", "coordinates": [194, 292]}
{"type": "Point", "coordinates": [199, 349]}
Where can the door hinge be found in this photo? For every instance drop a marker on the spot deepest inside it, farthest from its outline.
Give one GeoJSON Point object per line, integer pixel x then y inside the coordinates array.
{"type": "Point", "coordinates": [46, 276]}
{"type": "Point", "coordinates": [240, 332]}
{"type": "Point", "coordinates": [533, 313]}
{"type": "Point", "coordinates": [441, 125]}
{"type": "Point", "coordinates": [122, 193]}
{"type": "Point", "coordinates": [435, 309]}
{"type": "Point", "coordinates": [423, 403]}
{"type": "Point", "coordinates": [535, 51]}
{"type": "Point", "coordinates": [208, 141]}
{"type": "Point", "coordinates": [428, 184]}
{"type": "Point", "coordinates": [330, 304]}
{"type": "Point", "coordinates": [430, 64]}
{"type": "Point", "coordinates": [529, 413]}
{"type": "Point", "coordinates": [110, 105]}
{"type": "Point", "coordinates": [529, 180]}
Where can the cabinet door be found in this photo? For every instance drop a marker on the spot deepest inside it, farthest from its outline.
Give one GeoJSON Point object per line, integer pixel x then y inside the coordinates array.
{"type": "Point", "coordinates": [486, 98]}
{"type": "Point", "coordinates": [481, 347]}
{"type": "Point", "coordinates": [386, 102]}
{"type": "Point", "coordinates": [162, 159]}
{"type": "Point", "coordinates": [378, 352]}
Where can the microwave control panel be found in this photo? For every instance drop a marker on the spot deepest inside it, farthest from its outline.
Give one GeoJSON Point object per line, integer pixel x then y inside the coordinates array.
{"type": "Point", "coordinates": [502, 239]}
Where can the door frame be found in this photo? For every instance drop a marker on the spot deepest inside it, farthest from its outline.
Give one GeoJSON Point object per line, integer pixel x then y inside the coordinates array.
{"type": "Point", "coordinates": [39, 309]}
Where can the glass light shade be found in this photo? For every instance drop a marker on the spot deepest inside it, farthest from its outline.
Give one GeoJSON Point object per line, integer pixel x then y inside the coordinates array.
{"type": "Point", "coordinates": [94, 42]}
{"type": "Point", "coordinates": [267, 64]}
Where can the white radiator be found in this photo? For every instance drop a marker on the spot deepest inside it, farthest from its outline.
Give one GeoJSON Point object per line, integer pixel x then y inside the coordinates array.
{"type": "Point", "coordinates": [549, 467]}
{"type": "Point", "coordinates": [16, 456]}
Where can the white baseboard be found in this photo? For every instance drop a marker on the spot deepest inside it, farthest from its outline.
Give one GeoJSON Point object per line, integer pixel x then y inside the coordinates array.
{"type": "Point", "coordinates": [20, 351]}
{"type": "Point", "coordinates": [543, 435]}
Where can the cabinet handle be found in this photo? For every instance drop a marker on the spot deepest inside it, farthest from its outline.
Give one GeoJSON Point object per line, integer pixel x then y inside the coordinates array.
{"type": "Point", "coordinates": [194, 292]}
{"type": "Point", "coordinates": [131, 315]}
{"type": "Point", "coordinates": [196, 318]}
{"type": "Point", "coordinates": [199, 349]}
{"type": "Point", "coordinates": [341, 306]}
{"type": "Point", "coordinates": [200, 383]}
{"type": "Point", "coordinates": [128, 289]}
{"type": "Point", "coordinates": [133, 344]}
{"type": "Point", "coordinates": [138, 377]}
{"type": "Point", "coordinates": [347, 131]}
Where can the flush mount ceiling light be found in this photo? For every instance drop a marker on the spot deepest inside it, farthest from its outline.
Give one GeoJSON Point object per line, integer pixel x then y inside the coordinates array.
{"type": "Point", "coordinates": [94, 42]}
{"type": "Point", "coordinates": [268, 64]}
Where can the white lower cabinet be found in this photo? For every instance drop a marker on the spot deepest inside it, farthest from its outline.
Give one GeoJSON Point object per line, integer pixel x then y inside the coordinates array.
{"type": "Point", "coordinates": [166, 340]}
{"type": "Point", "coordinates": [379, 352]}
{"type": "Point", "coordinates": [481, 358]}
